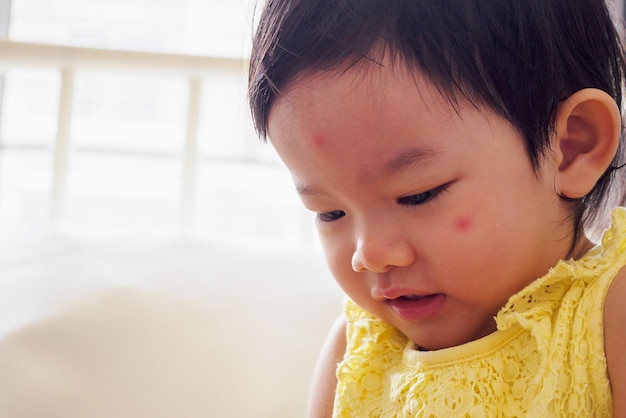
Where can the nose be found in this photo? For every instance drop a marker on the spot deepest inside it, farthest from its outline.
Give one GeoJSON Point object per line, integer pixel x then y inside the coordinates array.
{"type": "Point", "coordinates": [381, 249]}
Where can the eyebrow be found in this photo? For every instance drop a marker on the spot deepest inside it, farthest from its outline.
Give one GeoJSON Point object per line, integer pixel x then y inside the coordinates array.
{"type": "Point", "coordinates": [409, 157]}
{"type": "Point", "coordinates": [401, 161]}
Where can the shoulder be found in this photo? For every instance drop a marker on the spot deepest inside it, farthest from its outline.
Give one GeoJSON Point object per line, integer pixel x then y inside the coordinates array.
{"type": "Point", "coordinates": [322, 394]}
{"type": "Point", "coordinates": [615, 341]}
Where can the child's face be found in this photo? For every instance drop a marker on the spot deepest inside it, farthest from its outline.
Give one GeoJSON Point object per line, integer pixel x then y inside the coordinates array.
{"type": "Point", "coordinates": [429, 218]}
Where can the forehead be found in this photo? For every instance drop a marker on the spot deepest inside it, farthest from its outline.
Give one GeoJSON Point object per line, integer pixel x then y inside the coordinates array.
{"type": "Point", "coordinates": [366, 120]}
{"type": "Point", "coordinates": [372, 97]}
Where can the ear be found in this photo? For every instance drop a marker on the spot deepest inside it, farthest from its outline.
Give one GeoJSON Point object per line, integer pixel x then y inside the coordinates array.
{"type": "Point", "coordinates": [588, 127]}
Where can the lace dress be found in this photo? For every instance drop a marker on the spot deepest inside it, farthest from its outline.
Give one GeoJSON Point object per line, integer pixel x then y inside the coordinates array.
{"type": "Point", "coordinates": [546, 358]}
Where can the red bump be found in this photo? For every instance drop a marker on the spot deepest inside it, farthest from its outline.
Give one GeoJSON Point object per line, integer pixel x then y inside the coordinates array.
{"type": "Point", "coordinates": [463, 224]}
{"type": "Point", "coordinates": [319, 140]}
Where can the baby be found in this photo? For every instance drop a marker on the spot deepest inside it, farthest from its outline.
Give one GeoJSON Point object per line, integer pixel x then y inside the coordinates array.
{"type": "Point", "coordinates": [458, 155]}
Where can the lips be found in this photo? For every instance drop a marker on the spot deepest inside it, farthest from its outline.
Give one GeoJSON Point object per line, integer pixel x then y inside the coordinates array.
{"type": "Point", "coordinates": [413, 307]}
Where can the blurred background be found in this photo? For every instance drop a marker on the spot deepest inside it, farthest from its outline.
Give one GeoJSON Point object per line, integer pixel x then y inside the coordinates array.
{"type": "Point", "coordinates": [127, 161]}
{"type": "Point", "coordinates": [155, 260]}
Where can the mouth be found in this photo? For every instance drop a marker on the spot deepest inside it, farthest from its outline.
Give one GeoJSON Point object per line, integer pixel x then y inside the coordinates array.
{"type": "Point", "coordinates": [413, 307]}
{"type": "Point", "coordinates": [414, 297]}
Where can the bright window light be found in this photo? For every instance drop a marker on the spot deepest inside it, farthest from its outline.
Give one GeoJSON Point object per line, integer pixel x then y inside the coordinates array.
{"type": "Point", "coordinates": [127, 139]}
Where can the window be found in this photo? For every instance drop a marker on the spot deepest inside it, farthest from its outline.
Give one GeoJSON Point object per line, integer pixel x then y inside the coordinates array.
{"type": "Point", "coordinates": [128, 130]}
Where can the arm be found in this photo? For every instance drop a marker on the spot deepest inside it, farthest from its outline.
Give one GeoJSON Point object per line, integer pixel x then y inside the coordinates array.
{"type": "Point", "coordinates": [615, 342]}
{"type": "Point", "coordinates": [322, 395]}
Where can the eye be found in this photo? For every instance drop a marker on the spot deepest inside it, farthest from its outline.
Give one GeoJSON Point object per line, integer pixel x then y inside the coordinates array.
{"type": "Point", "coordinates": [421, 198]}
{"type": "Point", "coordinates": [330, 216]}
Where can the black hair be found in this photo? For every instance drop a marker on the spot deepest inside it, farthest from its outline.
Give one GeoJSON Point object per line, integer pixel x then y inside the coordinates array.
{"type": "Point", "coordinates": [520, 58]}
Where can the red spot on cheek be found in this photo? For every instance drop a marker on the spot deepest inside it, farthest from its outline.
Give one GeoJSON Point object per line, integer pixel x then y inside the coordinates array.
{"type": "Point", "coordinates": [463, 224]}
{"type": "Point", "coordinates": [319, 140]}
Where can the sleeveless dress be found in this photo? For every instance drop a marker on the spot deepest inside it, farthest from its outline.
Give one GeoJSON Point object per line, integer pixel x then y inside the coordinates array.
{"type": "Point", "coordinates": [546, 358]}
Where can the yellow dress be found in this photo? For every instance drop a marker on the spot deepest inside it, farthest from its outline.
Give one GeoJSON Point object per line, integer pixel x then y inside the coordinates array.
{"type": "Point", "coordinates": [546, 358]}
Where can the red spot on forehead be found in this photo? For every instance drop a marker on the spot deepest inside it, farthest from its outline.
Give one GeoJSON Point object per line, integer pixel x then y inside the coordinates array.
{"type": "Point", "coordinates": [463, 224]}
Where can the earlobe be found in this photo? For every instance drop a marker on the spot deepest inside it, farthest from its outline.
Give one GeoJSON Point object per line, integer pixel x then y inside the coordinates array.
{"type": "Point", "coordinates": [588, 127]}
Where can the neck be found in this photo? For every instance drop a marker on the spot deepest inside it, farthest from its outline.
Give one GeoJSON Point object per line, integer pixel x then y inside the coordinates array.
{"type": "Point", "coordinates": [581, 248]}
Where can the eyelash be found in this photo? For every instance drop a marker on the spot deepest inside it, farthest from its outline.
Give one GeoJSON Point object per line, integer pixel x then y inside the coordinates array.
{"type": "Point", "coordinates": [326, 217]}
{"type": "Point", "coordinates": [412, 200]}
{"type": "Point", "coordinates": [422, 198]}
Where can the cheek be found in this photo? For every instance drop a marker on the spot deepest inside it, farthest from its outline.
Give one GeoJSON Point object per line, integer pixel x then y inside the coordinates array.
{"type": "Point", "coordinates": [337, 257]}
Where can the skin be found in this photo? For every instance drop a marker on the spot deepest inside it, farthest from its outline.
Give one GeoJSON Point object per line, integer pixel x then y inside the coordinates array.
{"type": "Point", "coordinates": [615, 342]}
{"type": "Point", "coordinates": [415, 198]}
